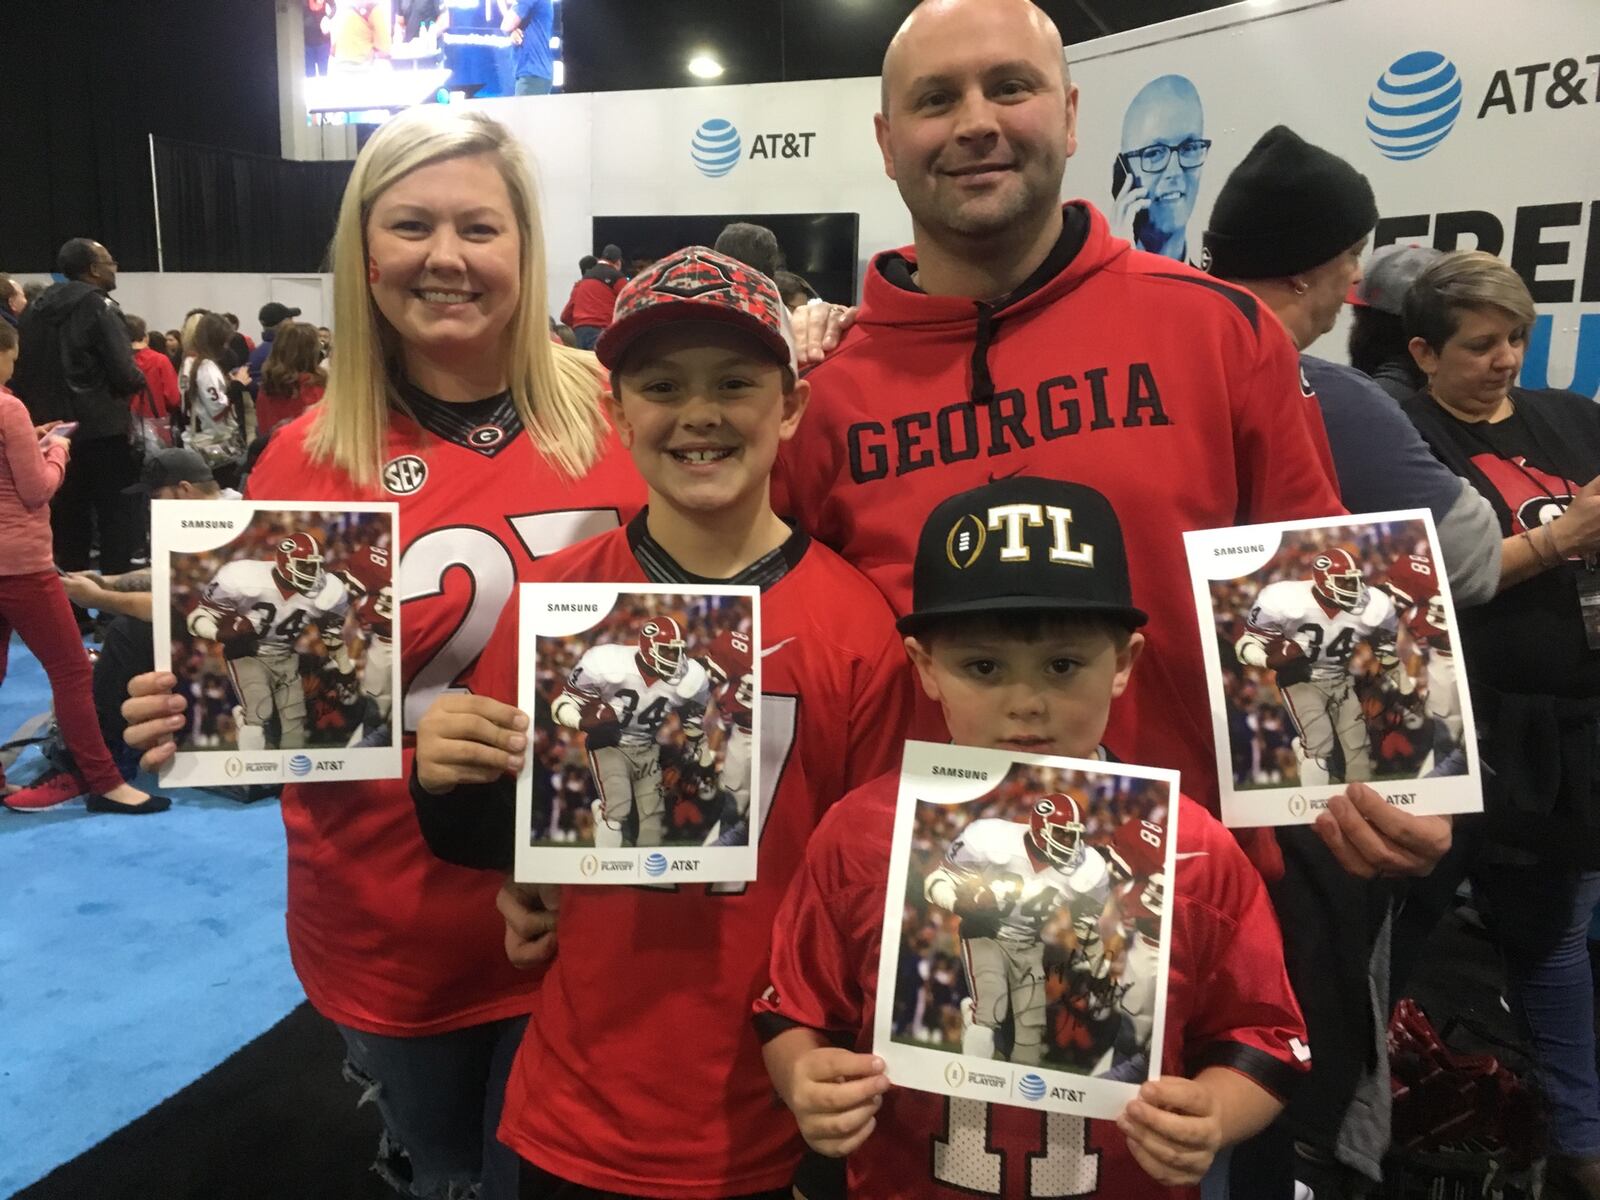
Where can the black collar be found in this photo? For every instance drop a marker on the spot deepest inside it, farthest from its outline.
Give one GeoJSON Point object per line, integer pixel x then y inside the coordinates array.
{"type": "Point", "coordinates": [897, 269]}
{"type": "Point", "coordinates": [484, 426]}
{"type": "Point", "coordinates": [661, 567]}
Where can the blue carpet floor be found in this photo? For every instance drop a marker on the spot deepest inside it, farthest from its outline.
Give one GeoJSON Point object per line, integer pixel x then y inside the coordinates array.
{"type": "Point", "coordinates": [135, 954]}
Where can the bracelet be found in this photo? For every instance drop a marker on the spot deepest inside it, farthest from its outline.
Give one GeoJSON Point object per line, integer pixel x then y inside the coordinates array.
{"type": "Point", "coordinates": [1555, 547]}
{"type": "Point", "coordinates": [1544, 563]}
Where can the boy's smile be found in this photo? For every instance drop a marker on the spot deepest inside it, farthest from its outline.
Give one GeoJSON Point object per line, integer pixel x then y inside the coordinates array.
{"type": "Point", "coordinates": [703, 408]}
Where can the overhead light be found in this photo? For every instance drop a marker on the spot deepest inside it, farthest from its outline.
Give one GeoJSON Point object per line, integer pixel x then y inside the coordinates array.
{"type": "Point", "coordinates": [558, 74]}
{"type": "Point", "coordinates": [703, 66]}
{"type": "Point", "coordinates": [555, 42]}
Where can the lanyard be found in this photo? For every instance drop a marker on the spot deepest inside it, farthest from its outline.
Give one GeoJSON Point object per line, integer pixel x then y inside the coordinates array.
{"type": "Point", "coordinates": [1473, 433]}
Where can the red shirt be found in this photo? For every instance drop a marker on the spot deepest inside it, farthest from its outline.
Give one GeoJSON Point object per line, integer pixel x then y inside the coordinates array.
{"type": "Point", "coordinates": [385, 937]}
{"type": "Point", "coordinates": [273, 407]}
{"type": "Point", "coordinates": [640, 1072]}
{"type": "Point", "coordinates": [1193, 420]}
{"type": "Point", "coordinates": [1228, 1003]}
{"type": "Point", "coordinates": [592, 302]}
{"type": "Point", "coordinates": [160, 397]}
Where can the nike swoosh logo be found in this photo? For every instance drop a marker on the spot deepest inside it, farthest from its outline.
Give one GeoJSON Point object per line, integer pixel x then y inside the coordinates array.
{"type": "Point", "coordinates": [775, 647]}
{"type": "Point", "coordinates": [993, 478]}
{"type": "Point", "coordinates": [1192, 854]}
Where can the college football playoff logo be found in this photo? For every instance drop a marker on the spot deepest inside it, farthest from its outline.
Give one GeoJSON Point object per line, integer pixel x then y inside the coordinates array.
{"type": "Point", "coordinates": [955, 1074]}
{"type": "Point", "coordinates": [404, 475]}
{"type": "Point", "coordinates": [589, 865]}
{"type": "Point", "coordinates": [965, 542]}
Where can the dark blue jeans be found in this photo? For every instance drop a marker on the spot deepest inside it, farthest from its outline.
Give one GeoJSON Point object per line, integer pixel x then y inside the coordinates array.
{"type": "Point", "coordinates": [532, 85]}
{"type": "Point", "coordinates": [587, 335]}
{"type": "Point", "coordinates": [1542, 915]}
{"type": "Point", "coordinates": [440, 1097]}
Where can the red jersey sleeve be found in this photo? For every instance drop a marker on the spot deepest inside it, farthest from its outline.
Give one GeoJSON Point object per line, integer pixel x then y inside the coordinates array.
{"type": "Point", "coordinates": [1244, 1016]}
{"type": "Point", "coordinates": [815, 974]}
{"type": "Point", "coordinates": [881, 712]}
{"type": "Point", "coordinates": [1285, 468]}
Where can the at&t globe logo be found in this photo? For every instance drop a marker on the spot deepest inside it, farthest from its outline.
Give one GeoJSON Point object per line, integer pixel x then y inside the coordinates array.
{"type": "Point", "coordinates": [715, 149]}
{"type": "Point", "coordinates": [1031, 1086]}
{"type": "Point", "coordinates": [655, 864]}
{"type": "Point", "coordinates": [299, 765]}
{"type": "Point", "coordinates": [1414, 105]}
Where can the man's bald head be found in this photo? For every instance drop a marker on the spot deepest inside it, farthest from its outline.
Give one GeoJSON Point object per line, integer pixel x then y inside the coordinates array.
{"type": "Point", "coordinates": [931, 16]}
{"type": "Point", "coordinates": [1166, 108]}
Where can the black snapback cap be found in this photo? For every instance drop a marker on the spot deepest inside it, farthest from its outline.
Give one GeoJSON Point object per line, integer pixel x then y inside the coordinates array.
{"type": "Point", "coordinates": [1022, 544]}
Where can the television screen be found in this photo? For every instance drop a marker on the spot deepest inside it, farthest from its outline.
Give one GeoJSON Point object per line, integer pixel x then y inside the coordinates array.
{"type": "Point", "coordinates": [368, 58]}
{"type": "Point", "coordinates": [819, 247]}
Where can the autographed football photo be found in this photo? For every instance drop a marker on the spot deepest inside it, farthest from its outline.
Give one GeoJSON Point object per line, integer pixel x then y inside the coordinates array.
{"type": "Point", "coordinates": [646, 719]}
{"type": "Point", "coordinates": [283, 631]}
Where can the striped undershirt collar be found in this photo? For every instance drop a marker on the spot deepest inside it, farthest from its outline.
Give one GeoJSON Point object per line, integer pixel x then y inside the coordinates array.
{"type": "Point", "coordinates": [661, 567]}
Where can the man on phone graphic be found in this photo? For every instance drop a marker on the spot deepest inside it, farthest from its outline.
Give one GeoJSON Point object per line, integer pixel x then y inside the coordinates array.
{"type": "Point", "coordinates": [1156, 177]}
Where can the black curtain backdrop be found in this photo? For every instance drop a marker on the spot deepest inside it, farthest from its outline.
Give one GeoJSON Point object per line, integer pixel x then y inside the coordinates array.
{"type": "Point", "coordinates": [87, 82]}
{"type": "Point", "coordinates": [224, 211]}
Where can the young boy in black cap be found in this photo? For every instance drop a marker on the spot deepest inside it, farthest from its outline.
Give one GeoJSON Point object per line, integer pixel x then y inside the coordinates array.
{"type": "Point", "coordinates": [1023, 630]}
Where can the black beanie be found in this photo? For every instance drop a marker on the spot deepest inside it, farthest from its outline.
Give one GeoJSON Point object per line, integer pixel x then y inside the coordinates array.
{"type": "Point", "coordinates": [1287, 207]}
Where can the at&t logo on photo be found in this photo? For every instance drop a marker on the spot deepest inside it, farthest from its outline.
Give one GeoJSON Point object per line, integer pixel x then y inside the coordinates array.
{"type": "Point", "coordinates": [299, 764]}
{"type": "Point", "coordinates": [715, 149]}
{"type": "Point", "coordinates": [655, 864]}
{"type": "Point", "coordinates": [1031, 1086]}
{"type": "Point", "coordinates": [1414, 105]}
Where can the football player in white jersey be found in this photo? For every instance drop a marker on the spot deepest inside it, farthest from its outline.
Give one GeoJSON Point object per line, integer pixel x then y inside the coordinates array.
{"type": "Point", "coordinates": [257, 610]}
{"type": "Point", "coordinates": [1005, 880]}
{"type": "Point", "coordinates": [1307, 631]}
{"type": "Point", "coordinates": [620, 696]}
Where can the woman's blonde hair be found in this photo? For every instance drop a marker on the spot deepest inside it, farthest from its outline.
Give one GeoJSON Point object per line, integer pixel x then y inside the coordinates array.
{"type": "Point", "coordinates": [555, 389]}
{"type": "Point", "coordinates": [190, 324]}
{"type": "Point", "coordinates": [1456, 283]}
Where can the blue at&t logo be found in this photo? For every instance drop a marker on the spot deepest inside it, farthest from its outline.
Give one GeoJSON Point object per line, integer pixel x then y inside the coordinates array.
{"type": "Point", "coordinates": [1031, 1086]}
{"type": "Point", "coordinates": [299, 765]}
{"type": "Point", "coordinates": [655, 864]}
{"type": "Point", "coordinates": [715, 149]}
{"type": "Point", "coordinates": [1414, 105]}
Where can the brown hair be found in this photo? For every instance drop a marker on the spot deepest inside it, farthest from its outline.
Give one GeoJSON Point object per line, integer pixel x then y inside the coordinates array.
{"type": "Point", "coordinates": [8, 337]}
{"type": "Point", "coordinates": [1456, 283]}
{"type": "Point", "coordinates": [137, 329]}
{"type": "Point", "coordinates": [211, 334]}
{"type": "Point", "coordinates": [296, 351]}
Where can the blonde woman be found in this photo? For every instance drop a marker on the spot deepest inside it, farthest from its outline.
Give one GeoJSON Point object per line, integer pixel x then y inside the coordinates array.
{"type": "Point", "coordinates": [447, 396]}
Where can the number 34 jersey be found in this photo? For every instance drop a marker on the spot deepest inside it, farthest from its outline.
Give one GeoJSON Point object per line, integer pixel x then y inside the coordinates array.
{"type": "Point", "coordinates": [385, 937]}
{"type": "Point", "coordinates": [251, 589]}
{"type": "Point", "coordinates": [1228, 1004]}
{"type": "Point", "coordinates": [611, 673]}
{"type": "Point", "coordinates": [1292, 609]}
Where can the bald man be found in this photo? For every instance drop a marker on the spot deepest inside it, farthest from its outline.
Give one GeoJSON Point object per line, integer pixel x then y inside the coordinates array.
{"type": "Point", "coordinates": [1019, 335]}
{"type": "Point", "coordinates": [1164, 148]}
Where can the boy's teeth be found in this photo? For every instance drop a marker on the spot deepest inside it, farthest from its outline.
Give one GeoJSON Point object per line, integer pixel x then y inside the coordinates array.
{"type": "Point", "coordinates": [702, 455]}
